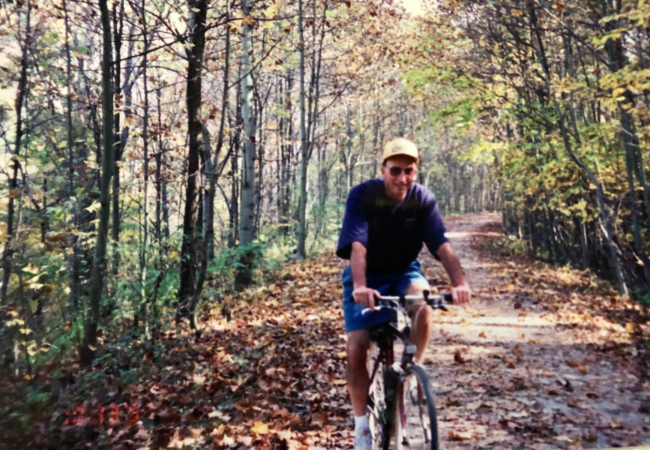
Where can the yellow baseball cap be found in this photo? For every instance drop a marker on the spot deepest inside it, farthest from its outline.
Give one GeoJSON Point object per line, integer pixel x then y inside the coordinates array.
{"type": "Point", "coordinates": [400, 146]}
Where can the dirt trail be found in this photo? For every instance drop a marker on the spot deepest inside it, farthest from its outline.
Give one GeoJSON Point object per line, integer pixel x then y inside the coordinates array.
{"type": "Point", "coordinates": [529, 363]}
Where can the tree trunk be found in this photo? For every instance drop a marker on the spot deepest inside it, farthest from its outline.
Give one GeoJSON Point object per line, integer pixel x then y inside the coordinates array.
{"type": "Point", "coordinates": [99, 263]}
{"type": "Point", "coordinates": [280, 148]}
{"type": "Point", "coordinates": [304, 145]}
{"type": "Point", "coordinates": [21, 95]}
{"type": "Point", "coordinates": [287, 157]}
{"type": "Point", "coordinates": [75, 292]}
{"type": "Point", "coordinates": [349, 157]}
{"type": "Point", "coordinates": [121, 136]}
{"type": "Point", "coordinates": [145, 200]}
{"type": "Point", "coordinates": [159, 177]}
{"type": "Point", "coordinates": [118, 21]}
{"type": "Point", "coordinates": [222, 127]}
{"type": "Point", "coordinates": [247, 210]}
{"type": "Point", "coordinates": [198, 10]}
{"type": "Point", "coordinates": [234, 171]}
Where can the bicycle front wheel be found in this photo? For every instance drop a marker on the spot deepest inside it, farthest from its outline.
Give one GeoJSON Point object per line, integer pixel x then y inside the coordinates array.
{"type": "Point", "coordinates": [416, 425]}
{"type": "Point", "coordinates": [377, 398]}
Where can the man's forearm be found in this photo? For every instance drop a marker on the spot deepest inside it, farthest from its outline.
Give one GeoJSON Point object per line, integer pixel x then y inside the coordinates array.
{"type": "Point", "coordinates": [358, 264]}
{"type": "Point", "coordinates": [451, 264]}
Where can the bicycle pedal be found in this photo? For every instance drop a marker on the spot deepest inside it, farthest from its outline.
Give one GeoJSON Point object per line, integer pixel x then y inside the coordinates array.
{"type": "Point", "coordinates": [411, 349]}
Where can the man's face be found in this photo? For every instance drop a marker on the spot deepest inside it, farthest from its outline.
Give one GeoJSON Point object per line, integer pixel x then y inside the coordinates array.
{"type": "Point", "coordinates": [399, 174]}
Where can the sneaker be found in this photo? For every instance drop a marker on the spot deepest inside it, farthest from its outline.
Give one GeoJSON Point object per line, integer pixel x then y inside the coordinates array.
{"type": "Point", "coordinates": [362, 439]}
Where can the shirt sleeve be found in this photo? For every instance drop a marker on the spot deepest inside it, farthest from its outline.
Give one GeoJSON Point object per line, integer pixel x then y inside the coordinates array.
{"type": "Point", "coordinates": [355, 223]}
{"type": "Point", "coordinates": [434, 228]}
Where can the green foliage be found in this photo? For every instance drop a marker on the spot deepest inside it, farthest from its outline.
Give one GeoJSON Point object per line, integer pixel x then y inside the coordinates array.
{"type": "Point", "coordinates": [267, 257]}
{"type": "Point", "coordinates": [507, 245]}
{"type": "Point", "coordinates": [546, 110]}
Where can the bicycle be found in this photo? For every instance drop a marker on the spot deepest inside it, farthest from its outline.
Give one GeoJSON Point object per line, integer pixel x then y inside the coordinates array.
{"type": "Point", "coordinates": [400, 389]}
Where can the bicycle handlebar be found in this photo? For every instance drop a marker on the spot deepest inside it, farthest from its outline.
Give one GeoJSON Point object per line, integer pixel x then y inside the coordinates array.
{"type": "Point", "coordinates": [439, 301]}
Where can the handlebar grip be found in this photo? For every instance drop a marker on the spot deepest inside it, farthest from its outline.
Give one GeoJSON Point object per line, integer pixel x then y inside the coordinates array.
{"type": "Point", "coordinates": [448, 298]}
{"type": "Point", "coordinates": [383, 302]}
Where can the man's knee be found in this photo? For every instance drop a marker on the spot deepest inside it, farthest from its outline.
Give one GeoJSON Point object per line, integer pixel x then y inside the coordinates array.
{"type": "Point", "coordinates": [421, 314]}
{"type": "Point", "coordinates": [356, 357]}
{"type": "Point", "coordinates": [417, 287]}
{"type": "Point", "coordinates": [358, 343]}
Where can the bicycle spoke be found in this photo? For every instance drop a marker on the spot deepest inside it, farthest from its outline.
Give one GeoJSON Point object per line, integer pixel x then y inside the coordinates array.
{"type": "Point", "coordinates": [418, 421]}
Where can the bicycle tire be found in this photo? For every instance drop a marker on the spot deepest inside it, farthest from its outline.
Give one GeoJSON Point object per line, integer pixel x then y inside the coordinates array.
{"type": "Point", "coordinates": [376, 397]}
{"type": "Point", "coordinates": [416, 424]}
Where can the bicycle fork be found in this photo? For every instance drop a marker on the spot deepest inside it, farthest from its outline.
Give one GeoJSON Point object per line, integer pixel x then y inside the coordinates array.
{"type": "Point", "coordinates": [391, 387]}
{"type": "Point", "coordinates": [395, 379]}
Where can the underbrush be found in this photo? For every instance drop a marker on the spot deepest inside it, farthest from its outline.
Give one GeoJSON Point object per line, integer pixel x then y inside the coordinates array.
{"type": "Point", "coordinates": [175, 385]}
{"type": "Point", "coordinates": [507, 245]}
{"type": "Point", "coordinates": [130, 349]}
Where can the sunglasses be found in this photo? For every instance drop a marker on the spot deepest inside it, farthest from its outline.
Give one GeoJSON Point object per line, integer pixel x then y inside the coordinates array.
{"type": "Point", "coordinates": [396, 171]}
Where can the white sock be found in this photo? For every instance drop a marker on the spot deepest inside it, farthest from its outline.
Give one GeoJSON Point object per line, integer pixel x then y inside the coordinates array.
{"type": "Point", "coordinates": [361, 422]}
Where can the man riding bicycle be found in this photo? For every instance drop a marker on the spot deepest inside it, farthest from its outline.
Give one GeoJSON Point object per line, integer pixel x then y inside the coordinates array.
{"type": "Point", "coordinates": [385, 224]}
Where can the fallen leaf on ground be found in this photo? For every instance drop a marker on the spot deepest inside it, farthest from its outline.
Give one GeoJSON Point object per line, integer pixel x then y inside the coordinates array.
{"type": "Point", "coordinates": [589, 436]}
{"type": "Point", "coordinates": [457, 437]}
{"type": "Point", "coordinates": [260, 428]}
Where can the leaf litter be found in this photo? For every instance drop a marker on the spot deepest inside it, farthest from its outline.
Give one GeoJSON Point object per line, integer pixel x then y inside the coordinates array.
{"type": "Point", "coordinates": [569, 373]}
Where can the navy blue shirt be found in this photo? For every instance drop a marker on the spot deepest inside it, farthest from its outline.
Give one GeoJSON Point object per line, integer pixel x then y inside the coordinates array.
{"type": "Point", "coordinates": [392, 231]}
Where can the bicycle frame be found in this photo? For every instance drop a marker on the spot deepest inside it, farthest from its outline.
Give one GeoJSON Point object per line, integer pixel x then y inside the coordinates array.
{"type": "Point", "coordinates": [386, 333]}
{"type": "Point", "coordinates": [384, 336]}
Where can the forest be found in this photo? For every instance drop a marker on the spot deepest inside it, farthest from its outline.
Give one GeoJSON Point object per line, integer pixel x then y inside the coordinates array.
{"type": "Point", "coordinates": [166, 164]}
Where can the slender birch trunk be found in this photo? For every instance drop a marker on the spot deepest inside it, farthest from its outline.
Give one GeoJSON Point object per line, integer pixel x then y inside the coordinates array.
{"type": "Point", "coordinates": [247, 211]}
{"type": "Point", "coordinates": [145, 148]}
{"type": "Point", "coordinates": [246, 222]}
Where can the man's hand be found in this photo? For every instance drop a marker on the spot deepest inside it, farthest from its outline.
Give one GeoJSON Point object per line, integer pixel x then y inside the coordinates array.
{"type": "Point", "coordinates": [365, 296]}
{"type": "Point", "coordinates": [461, 294]}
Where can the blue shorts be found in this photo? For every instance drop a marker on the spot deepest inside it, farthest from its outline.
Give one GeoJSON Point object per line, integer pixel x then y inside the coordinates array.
{"type": "Point", "coordinates": [393, 284]}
